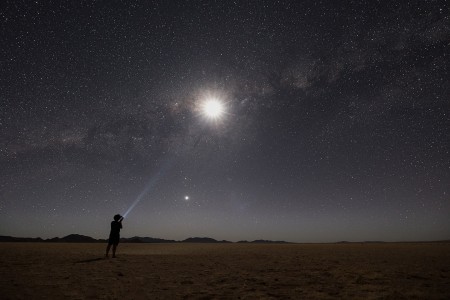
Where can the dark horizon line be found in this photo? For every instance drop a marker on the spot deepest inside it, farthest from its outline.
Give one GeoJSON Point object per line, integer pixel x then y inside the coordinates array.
{"type": "Point", "coordinates": [78, 238]}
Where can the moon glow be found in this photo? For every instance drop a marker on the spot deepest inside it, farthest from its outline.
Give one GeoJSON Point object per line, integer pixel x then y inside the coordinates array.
{"type": "Point", "coordinates": [213, 109]}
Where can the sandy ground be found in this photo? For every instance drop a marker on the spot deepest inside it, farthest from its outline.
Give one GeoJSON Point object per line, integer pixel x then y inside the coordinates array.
{"type": "Point", "coordinates": [225, 271]}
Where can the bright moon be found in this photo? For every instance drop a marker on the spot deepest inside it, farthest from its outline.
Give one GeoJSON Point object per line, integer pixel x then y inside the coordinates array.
{"type": "Point", "coordinates": [213, 109]}
{"type": "Point", "coordinates": [186, 198]}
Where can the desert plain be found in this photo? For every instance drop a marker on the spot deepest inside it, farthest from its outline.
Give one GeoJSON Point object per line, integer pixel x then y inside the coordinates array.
{"type": "Point", "coordinates": [226, 271]}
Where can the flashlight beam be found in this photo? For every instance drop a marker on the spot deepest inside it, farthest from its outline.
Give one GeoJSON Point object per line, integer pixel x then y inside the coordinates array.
{"type": "Point", "coordinates": [150, 185]}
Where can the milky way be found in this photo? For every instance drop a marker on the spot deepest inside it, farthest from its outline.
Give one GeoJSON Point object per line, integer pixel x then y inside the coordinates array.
{"type": "Point", "coordinates": [336, 119]}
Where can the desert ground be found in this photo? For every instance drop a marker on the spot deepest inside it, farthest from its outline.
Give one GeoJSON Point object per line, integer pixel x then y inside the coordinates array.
{"type": "Point", "coordinates": [225, 271]}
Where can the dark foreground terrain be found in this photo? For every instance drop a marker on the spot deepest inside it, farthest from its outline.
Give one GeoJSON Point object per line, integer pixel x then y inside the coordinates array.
{"type": "Point", "coordinates": [225, 271]}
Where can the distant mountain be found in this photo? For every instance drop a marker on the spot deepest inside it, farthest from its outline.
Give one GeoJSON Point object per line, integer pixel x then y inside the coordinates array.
{"type": "Point", "coordinates": [373, 242]}
{"type": "Point", "coordinates": [138, 239]}
{"type": "Point", "coordinates": [6, 239]}
{"type": "Point", "coordinates": [78, 238]}
{"type": "Point", "coordinates": [263, 242]}
{"type": "Point", "coordinates": [73, 238]}
{"type": "Point", "coordinates": [202, 240]}
{"type": "Point", "coordinates": [363, 242]}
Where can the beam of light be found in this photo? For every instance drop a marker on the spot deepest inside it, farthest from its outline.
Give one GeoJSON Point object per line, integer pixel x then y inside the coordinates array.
{"type": "Point", "coordinates": [151, 184]}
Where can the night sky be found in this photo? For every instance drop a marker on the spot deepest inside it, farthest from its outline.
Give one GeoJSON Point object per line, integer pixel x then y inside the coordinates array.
{"type": "Point", "coordinates": [335, 121]}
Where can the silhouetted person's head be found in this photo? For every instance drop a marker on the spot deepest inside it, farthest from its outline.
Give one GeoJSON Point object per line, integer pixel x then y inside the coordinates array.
{"type": "Point", "coordinates": [117, 217]}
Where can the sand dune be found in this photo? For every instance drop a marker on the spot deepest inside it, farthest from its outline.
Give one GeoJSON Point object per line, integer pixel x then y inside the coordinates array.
{"type": "Point", "coordinates": [225, 271]}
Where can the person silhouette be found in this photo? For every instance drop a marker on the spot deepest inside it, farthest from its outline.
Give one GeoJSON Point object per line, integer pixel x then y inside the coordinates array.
{"type": "Point", "coordinates": [114, 235]}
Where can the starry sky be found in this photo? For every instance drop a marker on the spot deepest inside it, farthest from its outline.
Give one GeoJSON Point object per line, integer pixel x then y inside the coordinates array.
{"type": "Point", "coordinates": [335, 126]}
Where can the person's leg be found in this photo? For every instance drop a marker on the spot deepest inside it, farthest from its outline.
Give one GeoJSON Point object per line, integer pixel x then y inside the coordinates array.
{"type": "Point", "coordinates": [107, 249]}
{"type": "Point", "coordinates": [114, 250]}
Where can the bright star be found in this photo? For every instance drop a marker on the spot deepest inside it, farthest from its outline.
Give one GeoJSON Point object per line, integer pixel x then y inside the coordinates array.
{"type": "Point", "coordinates": [186, 198]}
